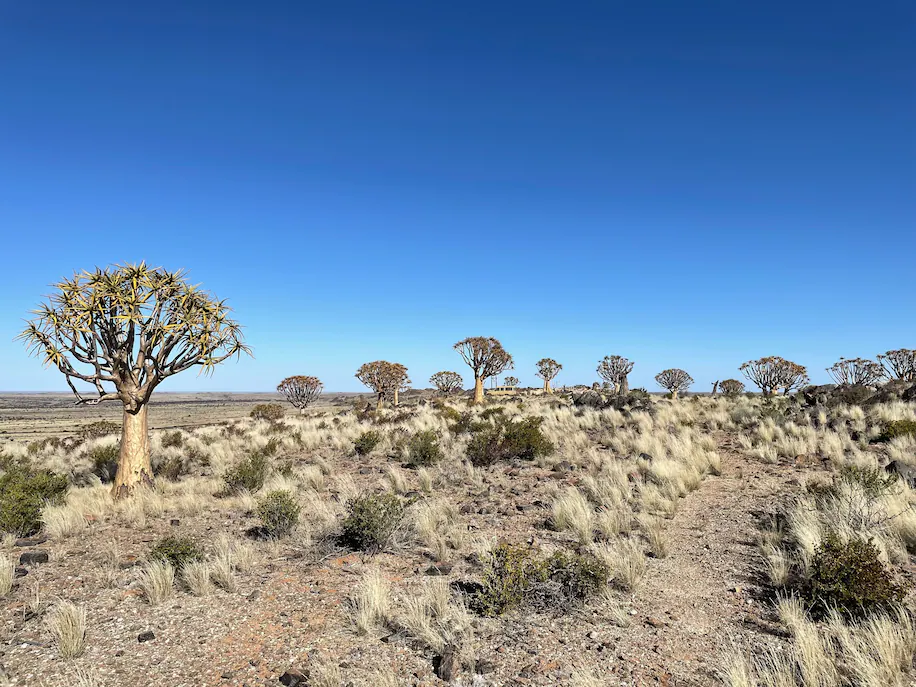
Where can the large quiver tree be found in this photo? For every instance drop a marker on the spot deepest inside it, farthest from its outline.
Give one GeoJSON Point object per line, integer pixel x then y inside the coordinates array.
{"type": "Point", "coordinates": [384, 378]}
{"type": "Point", "coordinates": [123, 330]}
{"type": "Point", "coordinates": [548, 368]}
{"type": "Point", "coordinates": [857, 371]}
{"type": "Point", "coordinates": [772, 373]}
{"type": "Point", "coordinates": [674, 380]}
{"type": "Point", "coordinates": [900, 364]}
{"type": "Point", "coordinates": [486, 357]}
{"type": "Point", "coordinates": [301, 391]}
{"type": "Point", "coordinates": [614, 369]}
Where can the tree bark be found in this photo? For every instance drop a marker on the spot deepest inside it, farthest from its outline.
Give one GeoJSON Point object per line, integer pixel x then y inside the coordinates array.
{"type": "Point", "coordinates": [674, 394]}
{"type": "Point", "coordinates": [134, 467]}
{"type": "Point", "coordinates": [478, 390]}
{"type": "Point", "coordinates": [624, 386]}
{"type": "Point", "coordinates": [378, 403]}
{"type": "Point", "coordinates": [547, 388]}
{"type": "Point", "coordinates": [395, 397]}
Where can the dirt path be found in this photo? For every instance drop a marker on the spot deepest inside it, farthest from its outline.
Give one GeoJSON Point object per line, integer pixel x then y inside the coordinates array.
{"type": "Point", "coordinates": [705, 594]}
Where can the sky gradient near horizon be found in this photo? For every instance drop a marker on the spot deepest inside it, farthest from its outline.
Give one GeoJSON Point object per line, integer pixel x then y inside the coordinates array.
{"type": "Point", "coordinates": [686, 184]}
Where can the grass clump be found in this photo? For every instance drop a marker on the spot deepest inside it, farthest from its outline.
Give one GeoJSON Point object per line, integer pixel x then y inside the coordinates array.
{"type": "Point", "coordinates": [366, 442]}
{"type": "Point", "coordinates": [505, 439]}
{"type": "Point", "coordinates": [248, 474]}
{"type": "Point", "coordinates": [271, 412]}
{"type": "Point", "coordinates": [104, 461]}
{"type": "Point", "coordinates": [279, 513]}
{"type": "Point", "coordinates": [23, 494]}
{"type": "Point", "coordinates": [423, 449]}
{"type": "Point", "coordinates": [178, 551]}
{"type": "Point", "coordinates": [851, 578]}
{"type": "Point", "coordinates": [371, 520]}
{"type": "Point", "coordinates": [172, 439]}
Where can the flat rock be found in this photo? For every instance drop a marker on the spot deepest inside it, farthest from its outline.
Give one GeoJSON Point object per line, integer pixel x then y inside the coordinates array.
{"type": "Point", "coordinates": [33, 557]}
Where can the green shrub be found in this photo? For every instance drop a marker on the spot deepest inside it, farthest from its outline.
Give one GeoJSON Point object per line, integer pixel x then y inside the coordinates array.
{"type": "Point", "coordinates": [446, 412]}
{"type": "Point", "coordinates": [466, 422]}
{"type": "Point", "coordinates": [171, 469]}
{"type": "Point", "coordinates": [366, 442]}
{"type": "Point", "coordinates": [23, 493]}
{"type": "Point", "coordinates": [424, 449]}
{"type": "Point", "coordinates": [565, 578]}
{"type": "Point", "coordinates": [249, 473]}
{"type": "Point", "coordinates": [849, 577]}
{"type": "Point", "coordinates": [507, 439]}
{"type": "Point", "coordinates": [899, 428]}
{"type": "Point", "coordinates": [279, 513]}
{"type": "Point", "coordinates": [371, 520]}
{"type": "Point", "coordinates": [96, 430]}
{"type": "Point", "coordinates": [178, 551]}
{"type": "Point", "coordinates": [506, 579]}
{"type": "Point", "coordinates": [172, 439]}
{"type": "Point", "coordinates": [104, 460]}
{"type": "Point", "coordinates": [267, 411]}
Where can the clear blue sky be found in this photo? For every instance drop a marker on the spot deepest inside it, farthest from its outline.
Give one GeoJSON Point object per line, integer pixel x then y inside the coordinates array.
{"type": "Point", "coordinates": [688, 184]}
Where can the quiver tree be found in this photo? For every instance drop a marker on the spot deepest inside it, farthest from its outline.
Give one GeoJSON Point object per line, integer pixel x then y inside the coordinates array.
{"type": "Point", "coordinates": [731, 388]}
{"type": "Point", "coordinates": [614, 370]}
{"type": "Point", "coordinates": [773, 373]}
{"type": "Point", "coordinates": [674, 380]}
{"type": "Point", "coordinates": [548, 368]}
{"type": "Point", "coordinates": [123, 330]}
{"type": "Point", "coordinates": [301, 391]}
{"type": "Point", "coordinates": [486, 357]}
{"type": "Point", "coordinates": [510, 381]}
{"type": "Point", "coordinates": [447, 382]}
{"type": "Point", "coordinates": [900, 364]}
{"type": "Point", "coordinates": [384, 378]}
{"type": "Point", "coordinates": [857, 371]}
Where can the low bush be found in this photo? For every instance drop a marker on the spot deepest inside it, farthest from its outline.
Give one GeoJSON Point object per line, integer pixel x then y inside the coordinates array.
{"type": "Point", "coordinates": [505, 581]}
{"type": "Point", "coordinates": [171, 469]}
{"type": "Point", "coordinates": [507, 439]}
{"type": "Point", "coordinates": [23, 494]}
{"type": "Point", "coordinates": [565, 578]}
{"type": "Point", "coordinates": [423, 449]}
{"type": "Point", "coordinates": [366, 442]}
{"type": "Point", "coordinates": [371, 520]}
{"type": "Point", "coordinates": [248, 474]}
{"type": "Point", "coordinates": [104, 460]}
{"type": "Point", "coordinates": [172, 439]}
{"type": "Point", "coordinates": [178, 551]}
{"type": "Point", "coordinates": [96, 430]}
{"type": "Point", "coordinates": [279, 513]}
{"type": "Point", "coordinates": [850, 577]}
{"type": "Point", "coordinates": [267, 411]}
{"type": "Point", "coordinates": [898, 428]}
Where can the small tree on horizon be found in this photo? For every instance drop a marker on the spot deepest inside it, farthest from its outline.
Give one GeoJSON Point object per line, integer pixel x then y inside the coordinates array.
{"type": "Point", "coordinates": [731, 388]}
{"type": "Point", "coordinates": [301, 391]}
{"type": "Point", "coordinates": [900, 364]}
{"type": "Point", "coordinates": [510, 381]}
{"type": "Point", "coordinates": [548, 368]}
{"type": "Point", "coordinates": [130, 327]}
{"type": "Point", "coordinates": [384, 378]}
{"type": "Point", "coordinates": [486, 357]}
{"type": "Point", "coordinates": [674, 380]}
{"type": "Point", "coordinates": [772, 373]}
{"type": "Point", "coordinates": [857, 371]}
{"type": "Point", "coordinates": [447, 382]}
{"type": "Point", "coordinates": [614, 369]}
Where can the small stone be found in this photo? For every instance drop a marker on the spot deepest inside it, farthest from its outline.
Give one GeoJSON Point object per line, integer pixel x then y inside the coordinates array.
{"type": "Point", "coordinates": [21, 572]}
{"type": "Point", "coordinates": [227, 674]}
{"type": "Point", "coordinates": [655, 622]}
{"type": "Point", "coordinates": [32, 541]}
{"type": "Point", "coordinates": [438, 569]}
{"type": "Point", "coordinates": [175, 522]}
{"type": "Point", "coordinates": [147, 636]}
{"type": "Point", "coordinates": [254, 595]}
{"type": "Point", "coordinates": [294, 678]}
{"type": "Point", "coordinates": [447, 664]}
{"type": "Point", "coordinates": [33, 557]}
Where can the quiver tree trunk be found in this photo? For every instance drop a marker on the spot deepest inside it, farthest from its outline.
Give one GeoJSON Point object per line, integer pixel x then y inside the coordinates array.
{"type": "Point", "coordinates": [547, 388]}
{"type": "Point", "coordinates": [478, 390]}
{"type": "Point", "coordinates": [674, 394]}
{"type": "Point", "coordinates": [623, 388]}
{"type": "Point", "coordinates": [378, 402]}
{"type": "Point", "coordinates": [396, 401]}
{"type": "Point", "coordinates": [134, 467]}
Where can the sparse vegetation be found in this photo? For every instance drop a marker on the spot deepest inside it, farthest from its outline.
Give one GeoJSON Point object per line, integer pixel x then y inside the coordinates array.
{"type": "Point", "coordinates": [248, 474]}
{"type": "Point", "coordinates": [24, 492]}
{"type": "Point", "coordinates": [371, 520]}
{"type": "Point", "coordinates": [178, 551]}
{"type": "Point", "coordinates": [279, 513]}
{"type": "Point", "coordinates": [268, 412]}
{"type": "Point", "coordinates": [366, 442]}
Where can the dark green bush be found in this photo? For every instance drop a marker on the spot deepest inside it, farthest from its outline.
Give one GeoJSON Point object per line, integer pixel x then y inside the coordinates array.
{"type": "Point", "coordinates": [35, 447]}
{"type": "Point", "coordinates": [96, 430]}
{"type": "Point", "coordinates": [366, 442]}
{"type": "Point", "coordinates": [898, 428]}
{"type": "Point", "coordinates": [446, 412]}
{"type": "Point", "coordinates": [267, 411]}
{"type": "Point", "coordinates": [104, 460]}
{"type": "Point", "coordinates": [565, 578]}
{"type": "Point", "coordinates": [176, 550]}
{"type": "Point", "coordinates": [507, 578]}
{"type": "Point", "coordinates": [23, 493]}
{"type": "Point", "coordinates": [249, 473]}
{"type": "Point", "coordinates": [279, 513]}
{"type": "Point", "coordinates": [173, 439]}
{"type": "Point", "coordinates": [371, 520]}
{"type": "Point", "coordinates": [849, 577]}
{"type": "Point", "coordinates": [424, 449]}
{"type": "Point", "coordinates": [466, 422]}
{"type": "Point", "coordinates": [507, 439]}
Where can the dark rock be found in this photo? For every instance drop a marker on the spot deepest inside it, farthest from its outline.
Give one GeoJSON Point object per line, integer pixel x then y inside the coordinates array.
{"type": "Point", "coordinates": [175, 522]}
{"type": "Point", "coordinates": [646, 457]}
{"type": "Point", "coordinates": [438, 569]}
{"type": "Point", "coordinates": [447, 665]}
{"type": "Point", "coordinates": [33, 557]}
{"type": "Point", "coordinates": [21, 572]}
{"type": "Point", "coordinates": [147, 636]}
{"type": "Point", "coordinates": [904, 471]}
{"type": "Point", "coordinates": [294, 678]}
{"type": "Point", "coordinates": [32, 541]}
{"type": "Point", "coordinates": [564, 466]}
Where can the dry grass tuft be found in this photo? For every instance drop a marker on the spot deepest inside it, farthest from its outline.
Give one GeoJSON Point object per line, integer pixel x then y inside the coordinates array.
{"type": "Point", "coordinates": [67, 623]}
{"type": "Point", "coordinates": [7, 575]}
{"type": "Point", "coordinates": [197, 577]}
{"type": "Point", "coordinates": [157, 581]}
{"type": "Point", "coordinates": [370, 601]}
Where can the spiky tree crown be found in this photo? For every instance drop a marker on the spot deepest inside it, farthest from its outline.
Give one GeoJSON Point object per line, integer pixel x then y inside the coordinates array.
{"type": "Point", "coordinates": [674, 379]}
{"type": "Point", "coordinates": [548, 368]}
{"type": "Point", "coordinates": [301, 390]}
{"type": "Point", "coordinates": [485, 356]}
